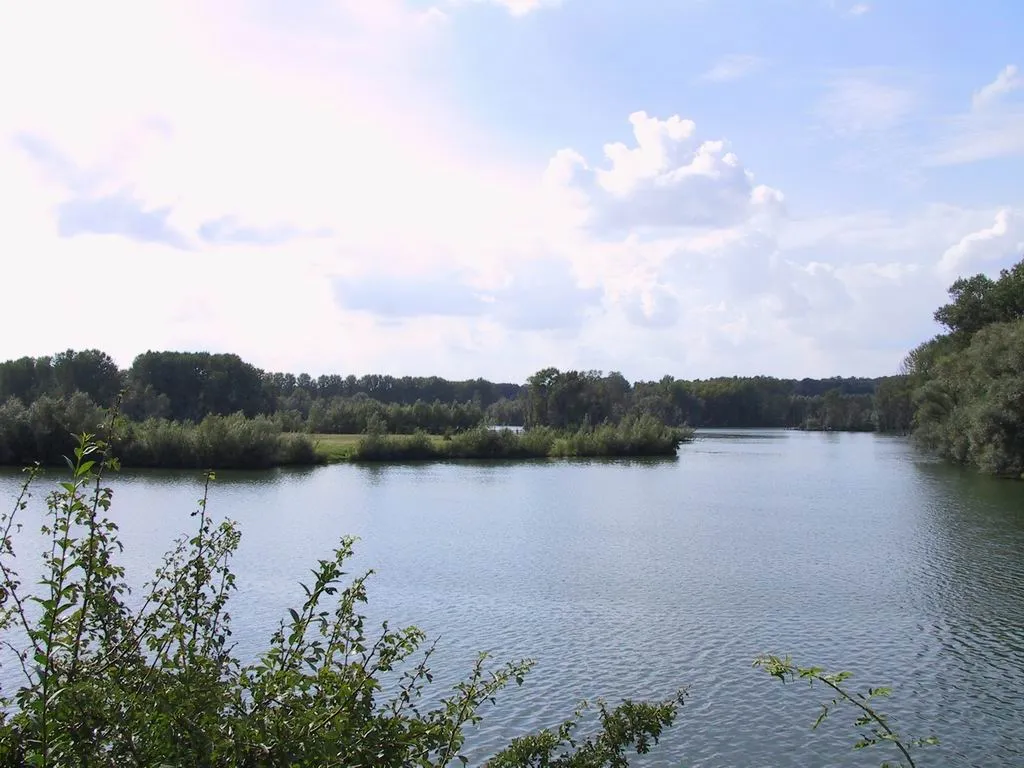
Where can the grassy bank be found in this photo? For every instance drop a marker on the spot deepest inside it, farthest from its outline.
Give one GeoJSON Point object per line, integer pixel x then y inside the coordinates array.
{"type": "Point", "coordinates": [633, 437]}
{"type": "Point", "coordinates": [336, 448]}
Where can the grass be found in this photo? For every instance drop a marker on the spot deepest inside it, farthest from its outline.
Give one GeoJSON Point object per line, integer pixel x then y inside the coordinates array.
{"type": "Point", "coordinates": [337, 448]}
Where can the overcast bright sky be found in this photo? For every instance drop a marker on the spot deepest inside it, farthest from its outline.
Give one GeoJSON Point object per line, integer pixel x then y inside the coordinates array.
{"type": "Point", "coordinates": [487, 187]}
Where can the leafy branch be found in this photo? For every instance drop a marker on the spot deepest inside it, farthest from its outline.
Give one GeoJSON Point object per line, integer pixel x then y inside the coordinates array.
{"type": "Point", "coordinates": [874, 725]}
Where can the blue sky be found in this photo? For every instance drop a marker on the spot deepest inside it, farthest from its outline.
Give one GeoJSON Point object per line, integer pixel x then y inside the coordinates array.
{"type": "Point", "coordinates": [488, 187]}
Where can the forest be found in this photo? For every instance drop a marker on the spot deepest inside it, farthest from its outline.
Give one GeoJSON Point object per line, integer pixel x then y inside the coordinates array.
{"type": "Point", "coordinates": [189, 386]}
{"type": "Point", "coordinates": [968, 383]}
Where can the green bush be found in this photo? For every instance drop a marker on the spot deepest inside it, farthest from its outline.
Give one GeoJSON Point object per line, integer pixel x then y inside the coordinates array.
{"type": "Point", "coordinates": [44, 433]}
{"type": "Point", "coordinates": [643, 436]}
{"type": "Point", "coordinates": [378, 447]}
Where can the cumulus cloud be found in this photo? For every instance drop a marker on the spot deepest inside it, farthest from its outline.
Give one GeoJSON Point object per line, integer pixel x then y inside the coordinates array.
{"type": "Point", "coordinates": [666, 180]}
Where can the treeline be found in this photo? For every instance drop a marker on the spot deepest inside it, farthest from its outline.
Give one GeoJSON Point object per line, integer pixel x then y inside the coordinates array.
{"type": "Point", "coordinates": [968, 383]}
{"type": "Point", "coordinates": [189, 386]}
{"type": "Point", "coordinates": [569, 399]}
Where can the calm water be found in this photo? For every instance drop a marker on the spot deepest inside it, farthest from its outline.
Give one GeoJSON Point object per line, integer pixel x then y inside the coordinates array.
{"type": "Point", "coordinates": [636, 578]}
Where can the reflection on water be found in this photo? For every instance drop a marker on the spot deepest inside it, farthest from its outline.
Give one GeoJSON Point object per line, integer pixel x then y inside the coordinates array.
{"type": "Point", "coordinates": [635, 578]}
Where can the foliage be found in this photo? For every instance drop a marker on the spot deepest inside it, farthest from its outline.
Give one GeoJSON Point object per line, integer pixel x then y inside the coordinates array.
{"type": "Point", "coordinates": [873, 726]}
{"type": "Point", "coordinates": [220, 442]}
{"type": "Point", "coordinates": [188, 386]}
{"type": "Point", "coordinates": [108, 681]}
{"type": "Point", "coordinates": [970, 407]}
{"type": "Point", "coordinates": [968, 384]}
{"type": "Point", "coordinates": [632, 437]}
{"type": "Point", "coordinates": [636, 724]}
{"type": "Point", "coordinates": [760, 401]}
{"type": "Point", "coordinates": [198, 384]}
{"type": "Point", "coordinates": [354, 415]}
{"type": "Point", "coordinates": [979, 301]}
{"type": "Point", "coordinates": [44, 432]}
{"type": "Point", "coordinates": [89, 371]}
{"type": "Point", "coordinates": [894, 407]}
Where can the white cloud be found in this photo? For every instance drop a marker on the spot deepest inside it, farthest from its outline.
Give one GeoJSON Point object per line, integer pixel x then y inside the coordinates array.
{"type": "Point", "coordinates": [667, 180]}
{"type": "Point", "coordinates": [515, 7]}
{"type": "Point", "coordinates": [1002, 240]}
{"type": "Point", "coordinates": [859, 103]}
{"type": "Point", "coordinates": [1009, 79]}
{"type": "Point", "coordinates": [733, 67]}
{"type": "Point", "coordinates": [859, 9]}
{"type": "Point", "coordinates": [993, 128]}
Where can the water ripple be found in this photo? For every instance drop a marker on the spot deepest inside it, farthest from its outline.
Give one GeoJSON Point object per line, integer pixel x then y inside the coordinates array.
{"type": "Point", "coordinates": [847, 551]}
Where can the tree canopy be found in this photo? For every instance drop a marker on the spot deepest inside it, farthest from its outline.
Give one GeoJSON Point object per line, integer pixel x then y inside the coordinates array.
{"type": "Point", "coordinates": [969, 383]}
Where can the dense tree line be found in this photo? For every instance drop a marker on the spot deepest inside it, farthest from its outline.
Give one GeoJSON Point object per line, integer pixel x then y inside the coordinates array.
{"type": "Point", "coordinates": [190, 386]}
{"type": "Point", "coordinates": [968, 383]}
{"type": "Point", "coordinates": [573, 399]}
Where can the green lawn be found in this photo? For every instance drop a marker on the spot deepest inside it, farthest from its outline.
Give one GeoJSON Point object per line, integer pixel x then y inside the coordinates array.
{"type": "Point", "coordinates": [335, 448]}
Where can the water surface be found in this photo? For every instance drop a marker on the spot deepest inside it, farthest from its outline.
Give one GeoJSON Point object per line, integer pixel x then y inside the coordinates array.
{"type": "Point", "coordinates": [636, 578]}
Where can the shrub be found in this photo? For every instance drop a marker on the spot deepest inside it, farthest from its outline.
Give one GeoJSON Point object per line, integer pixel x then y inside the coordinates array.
{"type": "Point", "coordinates": [643, 436]}
{"type": "Point", "coordinates": [44, 432]}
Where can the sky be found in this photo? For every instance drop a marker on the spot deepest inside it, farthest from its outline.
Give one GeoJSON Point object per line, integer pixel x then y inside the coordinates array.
{"type": "Point", "coordinates": [485, 188]}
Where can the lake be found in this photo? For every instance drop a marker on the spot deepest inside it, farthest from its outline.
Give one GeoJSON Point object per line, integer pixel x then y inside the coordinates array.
{"type": "Point", "coordinates": [635, 578]}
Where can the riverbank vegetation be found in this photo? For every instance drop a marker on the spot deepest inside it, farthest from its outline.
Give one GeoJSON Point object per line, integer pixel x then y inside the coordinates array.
{"type": "Point", "coordinates": [102, 676]}
{"type": "Point", "coordinates": [44, 432]}
{"type": "Point", "coordinates": [968, 383]}
{"type": "Point", "coordinates": [643, 436]}
{"type": "Point", "coordinates": [187, 410]}
{"type": "Point", "coordinates": [185, 386]}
